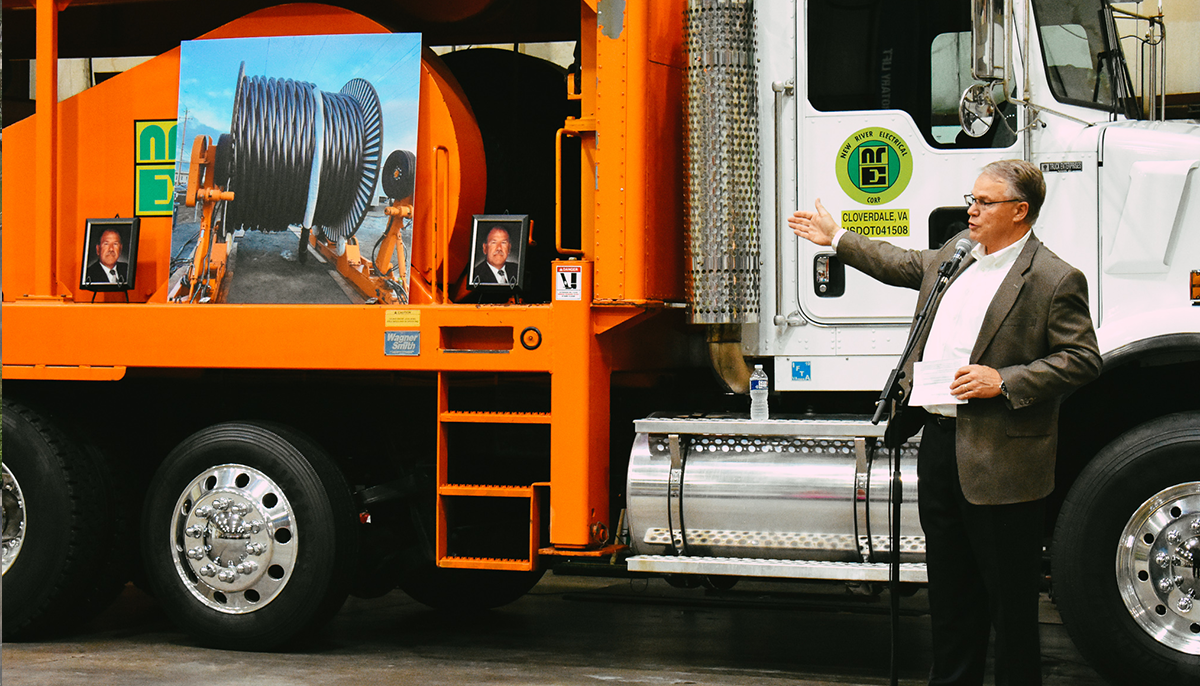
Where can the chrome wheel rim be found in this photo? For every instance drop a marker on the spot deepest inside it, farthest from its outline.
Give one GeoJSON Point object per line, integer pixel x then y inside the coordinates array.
{"type": "Point", "coordinates": [234, 539]}
{"type": "Point", "coordinates": [1158, 560]}
{"type": "Point", "coordinates": [14, 518]}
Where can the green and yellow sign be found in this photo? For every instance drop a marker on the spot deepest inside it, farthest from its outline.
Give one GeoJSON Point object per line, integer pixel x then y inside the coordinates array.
{"type": "Point", "coordinates": [881, 223]}
{"type": "Point", "coordinates": [874, 166]}
{"type": "Point", "coordinates": [154, 192]}
{"type": "Point", "coordinates": [154, 167]}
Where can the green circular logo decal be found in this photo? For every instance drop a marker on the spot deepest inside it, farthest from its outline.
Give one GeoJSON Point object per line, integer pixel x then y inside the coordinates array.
{"type": "Point", "coordinates": [874, 166]}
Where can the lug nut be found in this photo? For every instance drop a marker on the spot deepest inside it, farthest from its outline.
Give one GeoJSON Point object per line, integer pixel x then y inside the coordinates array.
{"type": "Point", "coordinates": [247, 568]}
{"type": "Point", "coordinates": [1165, 585]}
{"type": "Point", "coordinates": [196, 553]}
{"type": "Point", "coordinates": [208, 570]}
{"type": "Point", "coordinates": [194, 531]}
{"type": "Point", "coordinates": [240, 509]}
{"type": "Point", "coordinates": [255, 525]}
{"type": "Point", "coordinates": [256, 548]}
{"type": "Point", "coordinates": [204, 512]}
{"type": "Point", "coordinates": [1185, 604]}
{"type": "Point", "coordinates": [221, 504]}
{"type": "Point", "coordinates": [1173, 536]}
{"type": "Point", "coordinates": [1162, 560]}
{"type": "Point", "coordinates": [227, 575]}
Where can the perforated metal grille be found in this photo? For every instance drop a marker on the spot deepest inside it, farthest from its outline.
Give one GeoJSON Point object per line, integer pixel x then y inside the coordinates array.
{"type": "Point", "coordinates": [722, 163]}
{"type": "Point", "coordinates": [799, 446]}
{"type": "Point", "coordinates": [789, 540]}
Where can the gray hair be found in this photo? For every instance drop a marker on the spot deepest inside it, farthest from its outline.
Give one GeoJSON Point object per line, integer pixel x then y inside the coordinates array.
{"type": "Point", "coordinates": [1024, 180]}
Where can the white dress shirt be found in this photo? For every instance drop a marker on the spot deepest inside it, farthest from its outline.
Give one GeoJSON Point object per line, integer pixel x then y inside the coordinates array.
{"type": "Point", "coordinates": [960, 315]}
{"type": "Point", "coordinates": [507, 278]}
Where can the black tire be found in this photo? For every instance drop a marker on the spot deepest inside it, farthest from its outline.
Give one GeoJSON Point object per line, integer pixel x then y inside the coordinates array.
{"type": "Point", "coordinates": [60, 504]}
{"type": "Point", "coordinates": [466, 590]}
{"type": "Point", "coordinates": [399, 174]}
{"type": "Point", "coordinates": [1105, 526]}
{"type": "Point", "coordinates": [223, 480]}
{"type": "Point", "coordinates": [441, 588]}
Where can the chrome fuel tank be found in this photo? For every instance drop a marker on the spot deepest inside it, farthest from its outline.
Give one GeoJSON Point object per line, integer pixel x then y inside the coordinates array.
{"type": "Point", "coordinates": [775, 489]}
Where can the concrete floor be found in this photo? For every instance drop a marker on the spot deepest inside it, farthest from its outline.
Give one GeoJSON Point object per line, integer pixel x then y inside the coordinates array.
{"type": "Point", "coordinates": [569, 630]}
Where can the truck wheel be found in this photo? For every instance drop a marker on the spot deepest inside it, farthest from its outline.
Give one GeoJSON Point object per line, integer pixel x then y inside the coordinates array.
{"type": "Point", "coordinates": [441, 588]}
{"type": "Point", "coordinates": [1126, 553]}
{"type": "Point", "coordinates": [249, 536]}
{"type": "Point", "coordinates": [467, 589]}
{"type": "Point", "coordinates": [61, 528]}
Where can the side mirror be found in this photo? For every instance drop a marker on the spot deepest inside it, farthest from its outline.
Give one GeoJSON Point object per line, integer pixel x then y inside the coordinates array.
{"type": "Point", "coordinates": [989, 40]}
{"type": "Point", "coordinates": [977, 110]}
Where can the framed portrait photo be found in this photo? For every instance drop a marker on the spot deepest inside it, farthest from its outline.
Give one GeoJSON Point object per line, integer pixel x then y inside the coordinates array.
{"type": "Point", "coordinates": [498, 251]}
{"type": "Point", "coordinates": [109, 254]}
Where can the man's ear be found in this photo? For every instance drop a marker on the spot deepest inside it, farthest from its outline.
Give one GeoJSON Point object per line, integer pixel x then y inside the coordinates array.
{"type": "Point", "coordinates": [1022, 212]}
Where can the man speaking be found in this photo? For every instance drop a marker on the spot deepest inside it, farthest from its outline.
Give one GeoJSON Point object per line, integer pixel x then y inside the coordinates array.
{"type": "Point", "coordinates": [1018, 315]}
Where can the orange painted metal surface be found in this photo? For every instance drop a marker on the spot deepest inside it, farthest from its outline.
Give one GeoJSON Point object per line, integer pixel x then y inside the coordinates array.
{"type": "Point", "coordinates": [638, 107]}
{"type": "Point", "coordinates": [631, 235]}
{"type": "Point", "coordinates": [579, 403]}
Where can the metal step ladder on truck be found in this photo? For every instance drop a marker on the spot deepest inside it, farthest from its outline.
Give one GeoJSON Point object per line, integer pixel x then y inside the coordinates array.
{"type": "Point", "coordinates": [264, 460]}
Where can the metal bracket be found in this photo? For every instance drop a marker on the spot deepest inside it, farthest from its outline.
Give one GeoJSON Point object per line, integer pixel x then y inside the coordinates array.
{"type": "Point", "coordinates": [675, 495]}
{"type": "Point", "coordinates": [862, 497]}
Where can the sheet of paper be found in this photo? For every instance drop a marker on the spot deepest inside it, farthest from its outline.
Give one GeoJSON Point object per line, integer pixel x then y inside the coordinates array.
{"type": "Point", "coordinates": [931, 382]}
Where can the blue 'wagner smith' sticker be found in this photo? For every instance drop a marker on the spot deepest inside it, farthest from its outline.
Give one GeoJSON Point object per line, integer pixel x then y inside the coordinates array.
{"type": "Point", "coordinates": [402, 343]}
{"type": "Point", "coordinates": [802, 371]}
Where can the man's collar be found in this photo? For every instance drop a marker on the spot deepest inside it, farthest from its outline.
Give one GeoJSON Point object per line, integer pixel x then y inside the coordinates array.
{"type": "Point", "coordinates": [1007, 252]}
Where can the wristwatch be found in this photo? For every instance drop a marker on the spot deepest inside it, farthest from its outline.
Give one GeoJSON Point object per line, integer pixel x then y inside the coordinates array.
{"type": "Point", "coordinates": [1004, 390]}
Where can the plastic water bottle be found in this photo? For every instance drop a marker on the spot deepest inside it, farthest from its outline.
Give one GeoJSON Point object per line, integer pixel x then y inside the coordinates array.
{"type": "Point", "coordinates": [759, 385]}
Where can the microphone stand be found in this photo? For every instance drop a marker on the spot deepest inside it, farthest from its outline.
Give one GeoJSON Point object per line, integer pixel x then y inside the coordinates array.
{"type": "Point", "coordinates": [889, 401]}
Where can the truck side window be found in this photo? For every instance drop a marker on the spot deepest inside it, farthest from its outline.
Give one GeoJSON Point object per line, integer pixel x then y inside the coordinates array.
{"type": "Point", "coordinates": [949, 76]}
{"type": "Point", "coordinates": [1073, 45]}
{"type": "Point", "coordinates": [892, 55]}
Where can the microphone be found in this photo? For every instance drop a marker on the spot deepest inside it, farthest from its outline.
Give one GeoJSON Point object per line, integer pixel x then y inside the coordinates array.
{"type": "Point", "coordinates": [960, 253]}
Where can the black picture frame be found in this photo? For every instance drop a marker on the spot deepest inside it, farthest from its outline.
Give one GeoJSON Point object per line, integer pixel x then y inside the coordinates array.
{"type": "Point", "coordinates": [127, 230]}
{"type": "Point", "coordinates": [482, 226]}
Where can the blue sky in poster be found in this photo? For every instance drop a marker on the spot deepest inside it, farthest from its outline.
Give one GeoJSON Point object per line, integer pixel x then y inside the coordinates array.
{"type": "Point", "coordinates": [208, 72]}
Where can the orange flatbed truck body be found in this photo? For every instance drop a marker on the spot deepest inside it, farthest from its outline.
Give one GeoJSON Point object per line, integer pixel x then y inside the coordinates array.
{"type": "Point", "coordinates": [73, 160]}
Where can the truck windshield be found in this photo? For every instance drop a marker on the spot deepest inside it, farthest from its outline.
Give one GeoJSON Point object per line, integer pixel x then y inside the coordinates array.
{"type": "Point", "coordinates": [1084, 63]}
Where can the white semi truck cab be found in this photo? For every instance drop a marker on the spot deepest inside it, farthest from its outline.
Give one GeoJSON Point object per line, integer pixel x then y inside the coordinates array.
{"type": "Point", "coordinates": [886, 112]}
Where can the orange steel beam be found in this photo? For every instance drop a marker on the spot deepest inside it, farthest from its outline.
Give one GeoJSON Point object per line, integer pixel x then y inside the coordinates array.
{"type": "Point", "coordinates": [637, 18]}
{"type": "Point", "coordinates": [588, 159]}
{"type": "Point", "coordinates": [612, 121]}
{"type": "Point", "coordinates": [169, 335]}
{"type": "Point", "coordinates": [46, 152]}
{"type": "Point", "coordinates": [579, 404]}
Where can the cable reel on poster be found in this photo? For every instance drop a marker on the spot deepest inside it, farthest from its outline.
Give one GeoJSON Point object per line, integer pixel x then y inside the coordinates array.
{"type": "Point", "coordinates": [301, 156]}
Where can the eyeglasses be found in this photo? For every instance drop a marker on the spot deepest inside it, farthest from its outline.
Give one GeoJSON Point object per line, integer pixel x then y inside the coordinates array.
{"type": "Point", "coordinates": [971, 200]}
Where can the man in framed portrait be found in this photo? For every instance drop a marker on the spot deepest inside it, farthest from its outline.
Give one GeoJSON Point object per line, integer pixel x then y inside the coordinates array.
{"type": "Point", "coordinates": [496, 266]}
{"type": "Point", "coordinates": [107, 267]}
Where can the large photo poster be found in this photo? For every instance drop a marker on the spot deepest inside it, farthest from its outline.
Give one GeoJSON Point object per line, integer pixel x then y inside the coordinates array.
{"type": "Point", "coordinates": [295, 174]}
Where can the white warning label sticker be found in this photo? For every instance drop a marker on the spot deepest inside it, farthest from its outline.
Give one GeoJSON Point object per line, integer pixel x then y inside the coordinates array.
{"type": "Point", "coordinates": [567, 278]}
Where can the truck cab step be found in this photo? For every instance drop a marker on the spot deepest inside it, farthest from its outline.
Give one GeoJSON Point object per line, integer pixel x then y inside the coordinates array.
{"type": "Point", "coordinates": [779, 569]}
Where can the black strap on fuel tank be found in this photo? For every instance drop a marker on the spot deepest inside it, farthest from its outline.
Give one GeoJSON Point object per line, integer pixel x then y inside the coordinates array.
{"type": "Point", "coordinates": [675, 495]}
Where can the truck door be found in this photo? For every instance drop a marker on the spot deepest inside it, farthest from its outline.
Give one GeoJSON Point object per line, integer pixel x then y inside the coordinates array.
{"type": "Point", "coordinates": [879, 139]}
